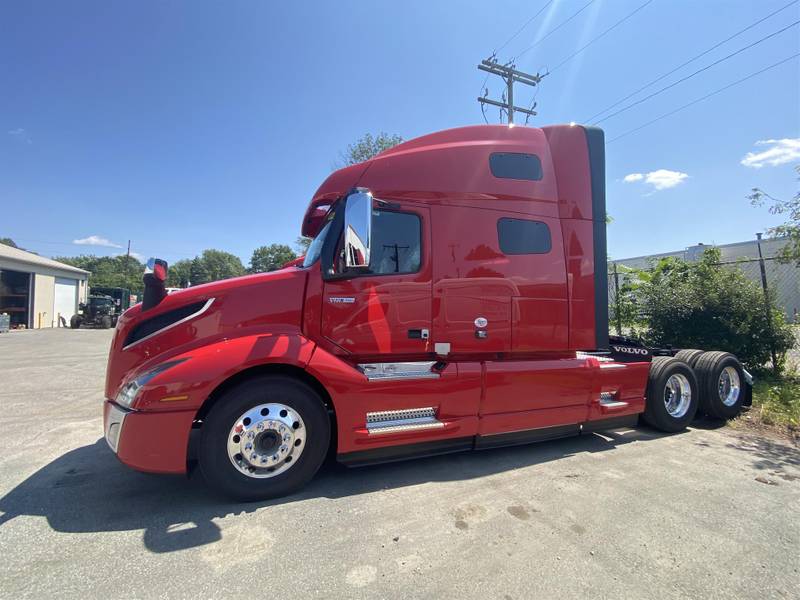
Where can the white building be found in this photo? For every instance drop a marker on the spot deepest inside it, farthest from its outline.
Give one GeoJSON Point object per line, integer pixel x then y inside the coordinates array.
{"type": "Point", "coordinates": [39, 292]}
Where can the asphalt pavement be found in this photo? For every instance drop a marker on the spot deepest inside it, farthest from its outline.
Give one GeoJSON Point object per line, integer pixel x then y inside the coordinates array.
{"type": "Point", "coordinates": [711, 512]}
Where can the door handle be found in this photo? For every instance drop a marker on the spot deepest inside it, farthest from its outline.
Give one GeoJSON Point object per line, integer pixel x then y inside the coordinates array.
{"type": "Point", "coordinates": [418, 334]}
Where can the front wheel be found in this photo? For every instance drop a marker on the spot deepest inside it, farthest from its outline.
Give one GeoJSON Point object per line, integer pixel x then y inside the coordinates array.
{"type": "Point", "coordinates": [265, 438]}
{"type": "Point", "coordinates": [75, 322]}
{"type": "Point", "coordinates": [671, 395]}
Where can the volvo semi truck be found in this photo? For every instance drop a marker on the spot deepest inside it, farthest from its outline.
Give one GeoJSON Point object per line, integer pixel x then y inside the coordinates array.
{"type": "Point", "coordinates": [454, 298]}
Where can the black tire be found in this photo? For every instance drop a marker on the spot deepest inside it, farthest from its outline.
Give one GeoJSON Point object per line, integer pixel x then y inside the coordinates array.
{"type": "Point", "coordinates": [689, 356]}
{"type": "Point", "coordinates": [656, 414]}
{"type": "Point", "coordinates": [75, 322]}
{"type": "Point", "coordinates": [114, 320]}
{"type": "Point", "coordinates": [709, 368]}
{"type": "Point", "coordinates": [213, 458]}
{"type": "Point", "coordinates": [105, 322]}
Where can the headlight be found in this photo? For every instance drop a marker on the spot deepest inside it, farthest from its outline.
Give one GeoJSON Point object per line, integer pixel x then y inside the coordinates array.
{"type": "Point", "coordinates": [127, 395]}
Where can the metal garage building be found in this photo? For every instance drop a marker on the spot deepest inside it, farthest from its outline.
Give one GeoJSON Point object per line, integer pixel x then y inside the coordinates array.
{"type": "Point", "coordinates": [35, 291]}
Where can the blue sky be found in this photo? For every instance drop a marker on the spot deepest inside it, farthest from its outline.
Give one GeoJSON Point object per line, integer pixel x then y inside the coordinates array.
{"type": "Point", "coordinates": [184, 126]}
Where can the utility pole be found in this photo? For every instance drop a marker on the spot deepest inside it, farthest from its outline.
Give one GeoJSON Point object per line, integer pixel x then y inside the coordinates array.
{"type": "Point", "coordinates": [509, 75]}
{"type": "Point", "coordinates": [767, 304]}
{"type": "Point", "coordinates": [128, 255]}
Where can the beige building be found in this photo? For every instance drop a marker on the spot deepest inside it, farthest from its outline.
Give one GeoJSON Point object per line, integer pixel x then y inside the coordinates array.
{"type": "Point", "coordinates": [39, 292]}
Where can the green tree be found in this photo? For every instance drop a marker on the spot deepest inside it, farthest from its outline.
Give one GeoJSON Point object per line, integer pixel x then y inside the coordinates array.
{"type": "Point", "coordinates": [109, 271]}
{"type": "Point", "coordinates": [791, 228]}
{"type": "Point", "coordinates": [197, 272]}
{"type": "Point", "coordinates": [180, 274]}
{"type": "Point", "coordinates": [8, 242]}
{"type": "Point", "coordinates": [222, 265]}
{"type": "Point", "coordinates": [270, 258]}
{"type": "Point", "coordinates": [368, 146]}
{"type": "Point", "coordinates": [705, 305]}
{"type": "Point", "coordinates": [624, 311]}
{"type": "Point", "coordinates": [301, 244]}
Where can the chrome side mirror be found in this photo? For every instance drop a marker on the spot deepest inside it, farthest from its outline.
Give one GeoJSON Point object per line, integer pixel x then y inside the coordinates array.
{"type": "Point", "coordinates": [357, 230]}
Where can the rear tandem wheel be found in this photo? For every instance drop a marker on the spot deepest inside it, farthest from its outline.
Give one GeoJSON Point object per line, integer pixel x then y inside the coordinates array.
{"type": "Point", "coordinates": [672, 398]}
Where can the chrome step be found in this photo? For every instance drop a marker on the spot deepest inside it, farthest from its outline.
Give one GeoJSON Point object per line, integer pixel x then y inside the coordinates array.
{"type": "Point", "coordinates": [395, 421]}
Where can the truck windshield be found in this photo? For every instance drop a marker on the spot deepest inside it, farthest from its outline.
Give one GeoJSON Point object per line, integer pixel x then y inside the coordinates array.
{"type": "Point", "coordinates": [315, 248]}
{"type": "Point", "coordinates": [99, 302]}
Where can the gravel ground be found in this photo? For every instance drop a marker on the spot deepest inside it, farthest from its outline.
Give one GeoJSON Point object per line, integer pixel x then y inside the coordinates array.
{"type": "Point", "coordinates": [626, 514]}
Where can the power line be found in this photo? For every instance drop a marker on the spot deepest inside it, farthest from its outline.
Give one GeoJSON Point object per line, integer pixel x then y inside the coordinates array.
{"type": "Point", "coordinates": [528, 22]}
{"type": "Point", "coordinates": [715, 92]}
{"type": "Point", "coordinates": [556, 28]}
{"type": "Point", "coordinates": [691, 60]}
{"type": "Point", "coordinates": [484, 90]}
{"type": "Point", "coordinates": [671, 85]}
{"type": "Point", "coordinates": [593, 40]}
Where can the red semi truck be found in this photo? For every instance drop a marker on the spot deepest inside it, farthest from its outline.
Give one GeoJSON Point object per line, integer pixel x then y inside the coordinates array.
{"type": "Point", "coordinates": [454, 297]}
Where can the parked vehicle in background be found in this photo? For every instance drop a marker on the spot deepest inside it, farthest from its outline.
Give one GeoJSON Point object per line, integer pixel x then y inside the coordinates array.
{"type": "Point", "coordinates": [102, 308]}
{"type": "Point", "coordinates": [123, 299]}
{"type": "Point", "coordinates": [454, 298]}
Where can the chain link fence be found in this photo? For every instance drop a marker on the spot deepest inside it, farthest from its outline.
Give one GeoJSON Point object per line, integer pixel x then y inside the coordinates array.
{"type": "Point", "coordinates": [779, 281]}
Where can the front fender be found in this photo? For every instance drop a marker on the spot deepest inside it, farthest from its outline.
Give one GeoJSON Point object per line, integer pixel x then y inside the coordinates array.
{"type": "Point", "coordinates": [186, 386]}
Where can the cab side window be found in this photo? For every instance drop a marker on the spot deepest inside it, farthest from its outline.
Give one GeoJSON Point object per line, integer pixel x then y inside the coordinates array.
{"type": "Point", "coordinates": [396, 241]}
{"type": "Point", "coordinates": [520, 236]}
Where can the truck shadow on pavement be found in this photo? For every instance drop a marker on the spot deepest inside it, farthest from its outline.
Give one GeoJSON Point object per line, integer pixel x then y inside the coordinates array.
{"type": "Point", "coordinates": [87, 490]}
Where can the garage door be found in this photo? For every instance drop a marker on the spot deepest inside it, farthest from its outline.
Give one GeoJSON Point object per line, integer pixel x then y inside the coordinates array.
{"type": "Point", "coordinates": [66, 299]}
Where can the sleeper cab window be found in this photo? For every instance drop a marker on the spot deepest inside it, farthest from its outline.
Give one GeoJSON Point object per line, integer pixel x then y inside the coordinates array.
{"type": "Point", "coordinates": [521, 236]}
{"type": "Point", "coordinates": [395, 247]}
{"type": "Point", "coordinates": [515, 165]}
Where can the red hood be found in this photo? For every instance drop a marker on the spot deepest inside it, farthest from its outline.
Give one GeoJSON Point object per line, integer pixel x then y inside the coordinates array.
{"type": "Point", "coordinates": [254, 304]}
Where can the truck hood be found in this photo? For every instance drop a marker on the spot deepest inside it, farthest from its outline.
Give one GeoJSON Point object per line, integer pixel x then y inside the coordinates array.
{"type": "Point", "coordinates": [266, 303]}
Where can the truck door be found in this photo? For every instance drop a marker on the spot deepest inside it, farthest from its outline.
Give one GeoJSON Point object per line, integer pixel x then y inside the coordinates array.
{"type": "Point", "coordinates": [384, 309]}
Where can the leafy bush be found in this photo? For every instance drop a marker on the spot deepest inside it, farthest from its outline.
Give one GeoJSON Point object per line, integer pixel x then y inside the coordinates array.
{"type": "Point", "coordinates": [704, 305]}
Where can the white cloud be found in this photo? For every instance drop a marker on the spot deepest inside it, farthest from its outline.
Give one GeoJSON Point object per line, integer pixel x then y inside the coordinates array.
{"type": "Point", "coordinates": [137, 256]}
{"type": "Point", "coordinates": [96, 240]}
{"type": "Point", "coordinates": [20, 135]}
{"type": "Point", "coordinates": [779, 152]}
{"type": "Point", "coordinates": [662, 179]}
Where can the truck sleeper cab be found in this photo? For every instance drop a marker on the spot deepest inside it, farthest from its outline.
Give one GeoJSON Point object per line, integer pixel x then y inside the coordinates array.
{"type": "Point", "coordinates": [454, 297]}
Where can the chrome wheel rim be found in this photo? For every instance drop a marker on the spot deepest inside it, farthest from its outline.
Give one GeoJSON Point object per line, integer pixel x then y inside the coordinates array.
{"type": "Point", "coordinates": [267, 440]}
{"type": "Point", "coordinates": [677, 395]}
{"type": "Point", "coordinates": [729, 386]}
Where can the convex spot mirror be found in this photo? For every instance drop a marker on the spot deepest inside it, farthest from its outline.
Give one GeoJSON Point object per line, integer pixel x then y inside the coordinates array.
{"type": "Point", "coordinates": [357, 230]}
{"type": "Point", "coordinates": [156, 268]}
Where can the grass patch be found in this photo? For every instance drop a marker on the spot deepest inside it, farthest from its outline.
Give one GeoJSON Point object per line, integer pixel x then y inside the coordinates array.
{"type": "Point", "coordinates": [776, 406]}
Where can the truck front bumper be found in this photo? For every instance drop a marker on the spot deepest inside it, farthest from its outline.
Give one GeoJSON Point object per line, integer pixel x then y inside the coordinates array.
{"type": "Point", "coordinates": [151, 441]}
